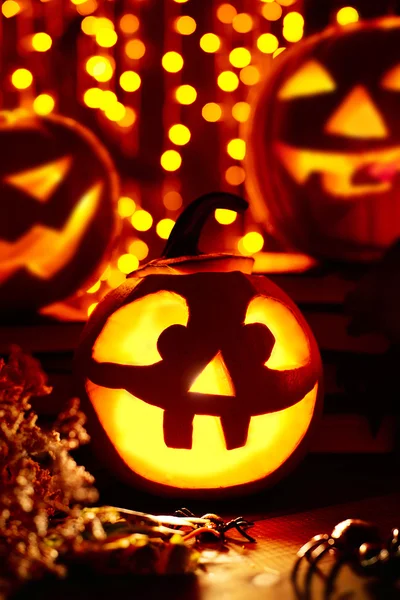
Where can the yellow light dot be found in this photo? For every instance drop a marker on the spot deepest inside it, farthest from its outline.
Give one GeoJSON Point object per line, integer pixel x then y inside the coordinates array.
{"type": "Point", "coordinates": [292, 34]}
{"type": "Point", "coordinates": [286, 2]}
{"type": "Point", "coordinates": [172, 200]}
{"type": "Point", "coordinates": [293, 19]}
{"type": "Point", "coordinates": [88, 25]}
{"type": "Point", "coordinates": [242, 23]}
{"type": "Point", "coordinates": [347, 15]}
{"type": "Point", "coordinates": [139, 249]}
{"type": "Point", "coordinates": [179, 134]}
{"type": "Point", "coordinates": [106, 38]}
{"type": "Point", "coordinates": [106, 273]}
{"type": "Point", "coordinates": [87, 8]}
{"type": "Point", "coordinates": [115, 112]}
{"type": "Point", "coordinates": [41, 42]}
{"type": "Point", "coordinates": [250, 75]}
{"type": "Point", "coordinates": [180, 1]}
{"type": "Point", "coordinates": [127, 263]}
{"type": "Point", "coordinates": [271, 11]}
{"type": "Point", "coordinates": [164, 228]}
{"type": "Point", "coordinates": [240, 57]}
{"type": "Point", "coordinates": [185, 25]}
{"type": "Point", "coordinates": [129, 23]}
{"type": "Point", "coordinates": [278, 52]}
{"type": "Point", "coordinates": [129, 118]}
{"type": "Point", "coordinates": [171, 160]}
{"type": "Point", "coordinates": [142, 220]}
{"type": "Point", "coordinates": [115, 278]}
{"type": "Point", "coordinates": [92, 97]}
{"type": "Point", "coordinates": [126, 207]}
{"type": "Point", "coordinates": [104, 23]}
{"type": "Point", "coordinates": [22, 79]}
{"type": "Point", "coordinates": [226, 13]}
{"type": "Point", "coordinates": [225, 216]}
{"type": "Point", "coordinates": [211, 112]}
{"type": "Point", "coordinates": [267, 43]}
{"type": "Point", "coordinates": [43, 104]}
{"type": "Point", "coordinates": [135, 49]}
{"type": "Point", "coordinates": [241, 111]}
{"type": "Point", "coordinates": [252, 242]}
{"type": "Point", "coordinates": [185, 94]}
{"type": "Point", "coordinates": [237, 148]}
{"type": "Point", "coordinates": [209, 42]}
{"type": "Point", "coordinates": [9, 8]}
{"type": "Point", "coordinates": [235, 175]}
{"type": "Point", "coordinates": [76, 2]}
{"type": "Point", "coordinates": [130, 81]}
{"type": "Point", "coordinates": [100, 68]}
{"type": "Point", "coordinates": [91, 308]}
{"type": "Point", "coordinates": [107, 99]}
{"type": "Point", "coordinates": [228, 81]}
{"type": "Point", "coordinates": [95, 288]}
{"type": "Point", "coordinates": [172, 62]}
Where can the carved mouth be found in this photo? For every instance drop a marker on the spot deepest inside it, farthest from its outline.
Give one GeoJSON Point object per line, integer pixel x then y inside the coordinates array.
{"type": "Point", "coordinates": [344, 175]}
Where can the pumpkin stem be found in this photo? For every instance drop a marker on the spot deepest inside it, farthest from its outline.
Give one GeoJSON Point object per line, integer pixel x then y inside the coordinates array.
{"type": "Point", "coordinates": [184, 237]}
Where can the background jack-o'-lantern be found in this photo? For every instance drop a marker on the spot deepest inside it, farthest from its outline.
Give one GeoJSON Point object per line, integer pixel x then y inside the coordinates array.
{"type": "Point", "coordinates": [198, 376]}
{"type": "Point", "coordinates": [324, 143]}
{"type": "Point", "coordinates": [58, 188]}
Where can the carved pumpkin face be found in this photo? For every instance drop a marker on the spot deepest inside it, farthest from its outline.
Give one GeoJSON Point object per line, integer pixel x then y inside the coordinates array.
{"type": "Point", "coordinates": [200, 380]}
{"type": "Point", "coordinates": [58, 188]}
{"type": "Point", "coordinates": [324, 143]}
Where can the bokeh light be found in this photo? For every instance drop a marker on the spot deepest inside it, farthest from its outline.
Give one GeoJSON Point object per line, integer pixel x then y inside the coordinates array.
{"type": "Point", "coordinates": [226, 13]}
{"type": "Point", "coordinates": [267, 43]}
{"type": "Point", "coordinates": [236, 149]}
{"type": "Point", "coordinates": [126, 207]}
{"type": "Point", "coordinates": [185, 94]}
{"type": "Point", "coordinates": [347, 15]}
{"type": "Point", "coordinates": [164, 228]}
{"type": "Point", "coordinates": [88, 25]}
{"type": "Point", "coordinates": [21, 79]}
{"type": "Point", "coordinates": [228, 81]}
{"type": "Point", "coordinates": [185, 25]}
{"type": "Point", "coordinates": [100, 68]}
{"type": "Point", "coordinates": [135, 49]}
{"type": "Point", "coordinates": [139, 249]}
{"type": "Point", "coordinates": [210, 42]}
{"type": "Point", "coordinates": [271, 11]}
{"type": "Point", "coordinates": [43, 104]}
{"type": "Point", "coordinates": [10, 8]}
{"type": "Point", "coordinates": [235, 175]}
{"type": "Point", "coordinates": [129, 117]}
{"type": "Point", "coordinates": [127, 263]}
{"type": "Point", "coordinates": [211, 112]}
{"type": "Point", "coordinates": [172, 62]}
{"type": "Point", "coordinates": [241, 111]}
{"type": "Point", "coordinates": [142, 220]}
{"type": "Point", "coordinates": [225, 216]}
{"type": "Point", "coordinates": [115, 278]}
{"type": "Point", "coordinates": [106, 38]}
{"type": "Point", "coordinates": [130, 81]}
{"type": "Point", "coordinates": [41, 42]}
{"type": "Point", "coordinates": [250, 75]}
{"type": "Point", "coordinates": [293, 24]}
{"type": "Point", "coordinates": [115, 111]}
{"type": "Point", "coordinates": [240, 57]}
{"type": "Point", "coordinates": [129, 23]}
{"type": "Point", "coordinates": [172, 200]}
{"type": "Point", "coordinates": [87, 8]}
{"type": "Point", "coordinates": [171, 160]}
{"type": "Point", "coordinates": [95, 288]}
{"type": "Point", "coordinates": [179, 134]}
{"type": "Point", "coordinates": [242, 23]}
{"type": "Point", "coordinates": [93, 97]}
{"type": "Point", "coordinates": [251, 243]}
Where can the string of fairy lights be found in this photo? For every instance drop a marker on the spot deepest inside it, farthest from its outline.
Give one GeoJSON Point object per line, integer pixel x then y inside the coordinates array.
{"type": "Point", "coordinates": [113, 57]}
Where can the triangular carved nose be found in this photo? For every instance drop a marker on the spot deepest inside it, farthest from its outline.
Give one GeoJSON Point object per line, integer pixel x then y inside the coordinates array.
{"type": "Point", "coordinates": [357, 117]}
{"type": "Point", "coordinates": [214, 379]}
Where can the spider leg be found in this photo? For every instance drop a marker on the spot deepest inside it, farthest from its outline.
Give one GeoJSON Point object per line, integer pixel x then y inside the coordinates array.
{"type": "Point", "coordinates": [183, 512]}
{"type": "Point", "coordinates": [333, 573]}
{"type": "Point", "coordinates": [304, 552]}
{"type": "Point", "coordinates": [313, 567]}
{"type": "Point", "coordinates": [244, 533]}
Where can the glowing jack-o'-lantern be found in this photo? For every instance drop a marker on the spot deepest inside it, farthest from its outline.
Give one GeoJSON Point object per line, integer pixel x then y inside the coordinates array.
{"type": "Point", "coordinates": [197, 375]}
{"type": "Point", "coordinates": [58, 188]}
{"type": "Point", "coordinates": [323, 160]}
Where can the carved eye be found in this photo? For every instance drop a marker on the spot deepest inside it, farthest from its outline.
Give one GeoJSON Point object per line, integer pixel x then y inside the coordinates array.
{"type": "Point", "coordinates": [311, 79]}
{"type": "Point", "coordinates": [131, 334]}
{"type": "Point", "coordinates": [41, 182]}
{"type": "Point", "coordinates": [391, 79]}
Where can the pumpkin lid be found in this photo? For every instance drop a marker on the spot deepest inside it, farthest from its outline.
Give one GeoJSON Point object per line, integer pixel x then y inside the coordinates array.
{"type": "Point", "coordinates": [182, 254]}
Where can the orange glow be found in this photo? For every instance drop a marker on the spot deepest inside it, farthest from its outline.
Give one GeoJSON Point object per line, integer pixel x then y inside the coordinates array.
{"type": "Point", "coordinates": [127, 263]}
{"type": "Point", "coordinates": [22, 79]}
{"type": "Point", "coordinates": [126, 207]}
{"type": "Point", "coordinates": [128, 119]}
{"type": "Point", "coordinates": [228, 81]}
{"type": "Point", "coordinates": [282, 262]}
{"type": "Point", "coordinates": [164, 228]}
{"type": "Point", "coordinates": [271, 11]}
{"type": "Point", "coordinates": [211, 112]}
{"type": "Point", "coordinates": [129, 23]}
{"type": "Point", "coordinates": [88, 25]}
{"type": "Point", "coordinates": [391, 80]}
{"type": "Point", "coordinates": [43, 104]}
{"type": "Point", "coordinates": [171, 160]}
{"type": "Point", "coordinates": [235, 175]}
{"type": "Point", "coordinates": [242, 23]}
{"type": "Point", "coordinates": [172, 62]}
{"type": "Point", "coordinates": [41, 182]}
{"type": "Point", "coordinates": [185, 94]}
{"type": "Point", "coordinates": [142, 220]}
{"type": "Point", "coordinates": [172, 200]}
{"type": "Point", "coordinates": [139, 249]}
{"type": "Point", "coordinates": [106, 38]}
{"type": "Point", "coordinates": [225, 216]}
{"type": "Point", "coordinates": [179, 134]}
{"type": "Point", "coordinates": [357, 117]}
{"type": "Point", "coordinates": [87, 7]}
{"type": "Point", "coordinates": [210, 42]}
{"type": "Point", "coordinates": [347, 15]}
{"type": "Point", "coordinates": [250, 75]}
{"type": "Point", "coordinates": [312, 78]}
{"type": "Point", "coordinates": [237, 149]}
{"type": "Point", "coordinates": [185, 25]}
{"type": "Point", "coordinates": [240, 57]}
{"type": "Point", "coordinates": [251, 243]}
{"type": "Point", "coordinates": [100, 68]}
{"type": "Point", "coordinates": [241, 111]}
{"type": "Point", "coordinates": [41, 42]}
{"type": "Point", "coordinates": [226, 13]}
{"type": "Point", "coordinates": [267, 43]}
{"type": "Point", "coordinates": [130, 81]}
{"type": "Point", "coordinates": [10, 8]}
{"type": "Point", "coordinates": [135, 49]}
{"type": "Point", "coordinates": [286, 2]}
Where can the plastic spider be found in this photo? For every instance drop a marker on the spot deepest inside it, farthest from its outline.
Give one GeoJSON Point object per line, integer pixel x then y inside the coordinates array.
{"type": "Point", "coordinates": [216, 526]}
{"type": "Point", "coordinates": [353, 542]}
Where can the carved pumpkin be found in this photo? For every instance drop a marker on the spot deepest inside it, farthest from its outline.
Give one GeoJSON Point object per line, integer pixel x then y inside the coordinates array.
{"type": "Point", "coordinates": [58, 188]}
{"type": "Point", "coordinates": [323, 156]}
{"type": "Point", "coordinates": [200, 377]}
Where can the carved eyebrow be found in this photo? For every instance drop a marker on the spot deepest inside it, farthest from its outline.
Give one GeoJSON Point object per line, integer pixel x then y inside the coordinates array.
{"type": "Point", "coordinates": [391, 79]}
{"type": "Point", "coordinates": [40, 182]}
{"type": "Point", "coordinates": [312, 78]}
